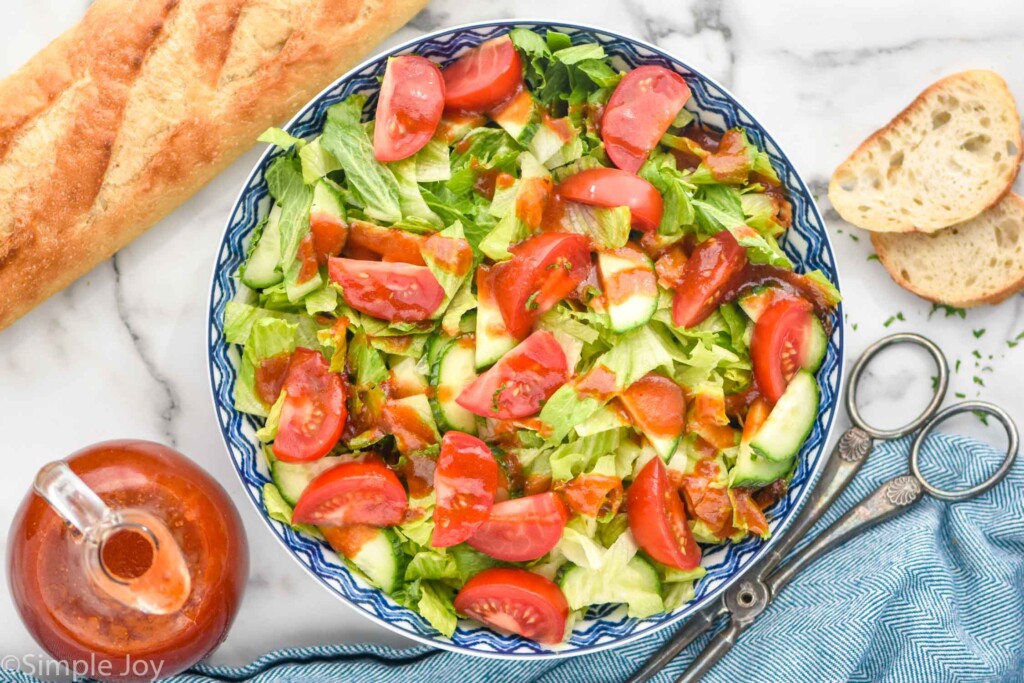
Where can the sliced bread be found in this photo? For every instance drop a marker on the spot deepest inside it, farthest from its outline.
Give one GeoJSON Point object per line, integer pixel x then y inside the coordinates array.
{"type": "Point", "coordinates": [943, 160]}
{"type": "Point", "coordinates": [977, 262]}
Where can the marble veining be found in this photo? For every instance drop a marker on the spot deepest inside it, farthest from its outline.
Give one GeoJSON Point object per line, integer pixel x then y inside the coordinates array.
{"type": "Point", "coordinates": [121, 352]}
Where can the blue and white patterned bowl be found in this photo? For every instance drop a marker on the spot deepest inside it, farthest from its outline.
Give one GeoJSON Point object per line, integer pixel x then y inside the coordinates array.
{"type": "Point", "coordinates": [807, 244]}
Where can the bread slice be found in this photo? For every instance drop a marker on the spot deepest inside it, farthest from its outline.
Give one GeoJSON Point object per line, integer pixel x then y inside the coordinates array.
{"type": "Point", "coordinates": [977, 262]}
{"type": "Point", "coordinates": [943, 160]}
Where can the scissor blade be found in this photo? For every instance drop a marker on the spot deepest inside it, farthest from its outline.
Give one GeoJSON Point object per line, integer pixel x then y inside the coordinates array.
{"type": "Point", "coordinates": [717, 648]}
{"type": "Point", "coordinates": [697, 626]}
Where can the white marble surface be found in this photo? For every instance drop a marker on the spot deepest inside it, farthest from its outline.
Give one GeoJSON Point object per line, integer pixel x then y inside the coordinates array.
{"type": "Point", "coordinates": [122, 352]}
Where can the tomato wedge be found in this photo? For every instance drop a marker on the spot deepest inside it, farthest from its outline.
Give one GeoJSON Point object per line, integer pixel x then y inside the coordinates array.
{"type": "Point", "coordinates": [353, 493]}
{"type": "Point", "coordinates": [484, 77]}
{"type": "Point", "coordinates": [518, 384]}
{"type": "Point", "coordinates": [543, 270]}
{"type": "Point", "coordinates": [522, 529]}
{"type": "Point", "coordinates": [707, 272]}
{"type": "Point", "coordinates": [614, 187]}
{"type": "Point", "coordinates": [641, 109]}
{"type": "Point", "coordinates": [409, 108]}
{"type": "Point", "coordinates": [593, 495]}
{"type": "Point", "coordinates": [313, 414]}
{"type": "Point", "coordinates": [370, 242]}
{"type": "Point", "coordinates": [391, 291]}
{"type": "Point", "coordinates": [518, 601]}
{"type": "Point", "coordinates": [329, 235]}
{"type": "Point", "coordinates": [465, 482]}
{"type": "Point", "coordinates": [657, 518]}
{"type": "Point", "coordinates": [779, 346]}
{"type": "Point", "coordinates": [656, 405]}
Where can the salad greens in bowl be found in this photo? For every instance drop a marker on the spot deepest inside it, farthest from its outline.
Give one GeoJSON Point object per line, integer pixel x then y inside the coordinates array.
{"type": "Point", "coordinates": [525, 339]}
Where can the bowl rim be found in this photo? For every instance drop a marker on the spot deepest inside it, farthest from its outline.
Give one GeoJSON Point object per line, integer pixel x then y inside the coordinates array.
{"type": "Point", "coordinates": [783, 525]}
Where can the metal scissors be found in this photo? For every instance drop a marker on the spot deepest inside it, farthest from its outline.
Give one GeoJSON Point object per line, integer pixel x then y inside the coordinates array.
{"type": "Point", "coordinates": [744, 601]}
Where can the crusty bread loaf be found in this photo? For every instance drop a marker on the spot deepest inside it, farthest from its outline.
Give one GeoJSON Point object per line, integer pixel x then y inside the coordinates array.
{"type": "Point", "coordinates": [977, 262]}
{"type": "Point", "coordinates": [127, 114]}
{"type": "Point", "coordinates": [947, 157]}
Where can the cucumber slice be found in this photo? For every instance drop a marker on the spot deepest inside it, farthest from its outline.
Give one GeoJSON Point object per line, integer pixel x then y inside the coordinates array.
{"type": "Point", "coordinates": [624, 268]}
{"type": "Point", "coordinates": [453, 371]}
{"type": "Point", "coordinates": [326, 199]}
{"type": "Point", "coordinates": [791, 420]}
{"type": "Point", "coordinates": [263, 269]}
{"type": "Point", "coordinates": [754, 470]}
{"type": "Point", "coordinates": [546, 141]}
{"type": "Point", "coordinates": [637, 585]}
{"type": "Point", "coordinates": [378, 555]}
{"type": "Point", "coordinates": [406, 378]}
{"type": "Point", "coordinates": [492, 338]}
{"type": "Point", "coordinates": [757, 301]}
{"type": "Point", "coordinates": [297, 290]}
{"type": "Point", "coordinates": [520, 117]}
{"type": "Point", "coordinates": [292, 478]}
{"type": "Point", "coordinates": [815, 345]}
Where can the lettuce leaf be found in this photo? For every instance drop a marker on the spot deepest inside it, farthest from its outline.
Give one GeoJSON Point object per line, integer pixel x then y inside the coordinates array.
{"type": "Point", "coordinates": [268, 337]}
{"type": "Point", "coordinates": [281, 138]}
{"type": "Point", "coordinates": [346, 139]}
{"type": "Point", "coordinates": [316, 161]}
{"type": "Point", "coordinates": [289, 190]}
{"type": "Point", "coordinates": [366, 363]}
{"type": "Point", "coordinates": [409, 196]}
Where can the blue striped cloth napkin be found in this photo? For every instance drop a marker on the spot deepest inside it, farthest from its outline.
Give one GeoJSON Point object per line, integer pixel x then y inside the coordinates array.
{"type": "Point", "coordinates": [935, 594]}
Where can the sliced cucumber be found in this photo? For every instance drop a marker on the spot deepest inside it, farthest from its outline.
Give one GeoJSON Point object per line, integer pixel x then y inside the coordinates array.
{"type": "Point", "coordinates": [624, 268]}
{"type": "Point", "coordinates": [453, 371]}
{"type": "Point", "coordinates": [297, 290]}
{"type": "Point", "coordinates": [263, 269]}
{"type": "Point", "coordinates": [790, 421]}
{"type": "Point", "coordinates": [637, 585]}
{"type": "Point", "coordinates": [326, 199]}
{"type": "Point", "coordinates": [755, 303]}
{"type": "Point", "coordinates": [520, 117]}
{"type": "Point", "coordinates": [815, 345]}
{"type": "Point", "coordinates": [292, 478]}
{"type": "Point", "coordinates": [379, 556]}
{"type": "Point", "coordinates": [754, 470]}
{"type": "Point", "coordinates": [406, 378]}
{"type": "Point", "coordinates": [492, 338]}
{"type": "Point", "coordinates": [411, 422]}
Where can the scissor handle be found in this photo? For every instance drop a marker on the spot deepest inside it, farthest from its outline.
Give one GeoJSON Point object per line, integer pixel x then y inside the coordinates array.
{"type": "Point", "coordinates": [1012, 437]}
{"type": "Point", "coordinates": [865, 359]}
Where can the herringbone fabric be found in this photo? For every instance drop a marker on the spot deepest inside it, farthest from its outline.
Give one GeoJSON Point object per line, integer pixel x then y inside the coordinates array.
{"type": "Point", "coordinates": [934, 595]}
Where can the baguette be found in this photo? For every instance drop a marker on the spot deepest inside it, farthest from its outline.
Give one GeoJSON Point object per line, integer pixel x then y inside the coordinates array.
{"type": "Point", "coordinates": [126, 115]}
{"type": "Point", "coordinates": [954, 152]}
{"type": "Point", "coordinates": [977, 262]}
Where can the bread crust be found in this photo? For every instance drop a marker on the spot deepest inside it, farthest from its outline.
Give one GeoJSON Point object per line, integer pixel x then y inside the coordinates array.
{"type": "Point", "coordinates": [1002, 294]}
{"type": "Point", "coordinates": [993, 197]}
{"type": "Point", "coordinates": [126, 115]}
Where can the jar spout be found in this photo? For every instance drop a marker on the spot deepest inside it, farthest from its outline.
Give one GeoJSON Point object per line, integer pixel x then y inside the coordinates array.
{"type": "Point", "coordinates": [130, 553]}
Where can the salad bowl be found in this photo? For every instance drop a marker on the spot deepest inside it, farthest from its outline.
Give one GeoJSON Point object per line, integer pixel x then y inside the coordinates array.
{"type": "Point", "coordinates": [806, 244]}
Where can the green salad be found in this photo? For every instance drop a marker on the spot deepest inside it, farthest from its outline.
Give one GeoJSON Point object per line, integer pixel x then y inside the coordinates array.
{"type": "Point", "coordinates": [522, 337]}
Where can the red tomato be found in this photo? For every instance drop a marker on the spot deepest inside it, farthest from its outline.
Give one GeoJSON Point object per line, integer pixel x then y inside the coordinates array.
{"type": "Point", "coordinates": [613, 187]}
{"type": "Point", "coordinates": [520, 381]}
{"type": "Point", "coordinates": [353, 493]}
{"type": "Point", "coordinates": [543, 270]}
{"type": "Point", "coordinates": [409, 108]}
{"type": "Point", "coordinates": [370, 242]}
{"type": "Point", "coordinates": [329, 235]}
{"type": "Point", "coordinates": [641, 109]}
{"type": "Point", "coordinates": [516, 600]}
{"type": "Point", "coordinates": [522, 529]}
{"type": "Point", "coordinates": [779, 345]}
{"type": "Point", "coordinates": [656, 405]}
{"type": "Point", "coordinates": [593, 495]}
{"type": "Point", "coordinates": [657, 518]}
{"type": "Point", "coordinates": [484, 77]}
{"type": "Point", "coordinates": [314, 412]}
{"type": "Point", "coordinates": [466, 480]}
{"type": "Point", "coordinates": [707, 273]}
{"type": "Point", "coordinates": [391, 291]}
{"type": "Point", "coordinates": [306, 256]}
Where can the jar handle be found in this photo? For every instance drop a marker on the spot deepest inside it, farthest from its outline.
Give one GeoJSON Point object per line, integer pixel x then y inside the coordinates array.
{"type": "Point", "coordinates": [157, 580]}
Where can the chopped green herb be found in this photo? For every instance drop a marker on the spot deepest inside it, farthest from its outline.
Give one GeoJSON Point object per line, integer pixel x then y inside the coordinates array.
{"type": "Point", "coordinates": [981, 416]}
{"type": "Point", "coordinates": [935, 383]}
{"type": "Point", "coordinates": [495, 395]}
{"type": "Point", "coordinates": [976, 354]}
{"type": "Point", "coordinates": [956, 368]}
{"type": "Point", "coordinates": [978, 333]}
{"type": "Point", "coordinates": [948, 310]}
{"type": "Point", "coordinates": [531, 303]}
{"type": "Point", "coordinates": [979, 381]}
{"type": "Point", "coordinates": [855, 238]}
{"type": "Point", "coordinates": [873, 257]}
{"type": "Point", "coordinates": [960, 394]}
{"type": "Point", "coordinates": [855, 327]}
{"type": "Point", "coordinates": [892, 319]}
